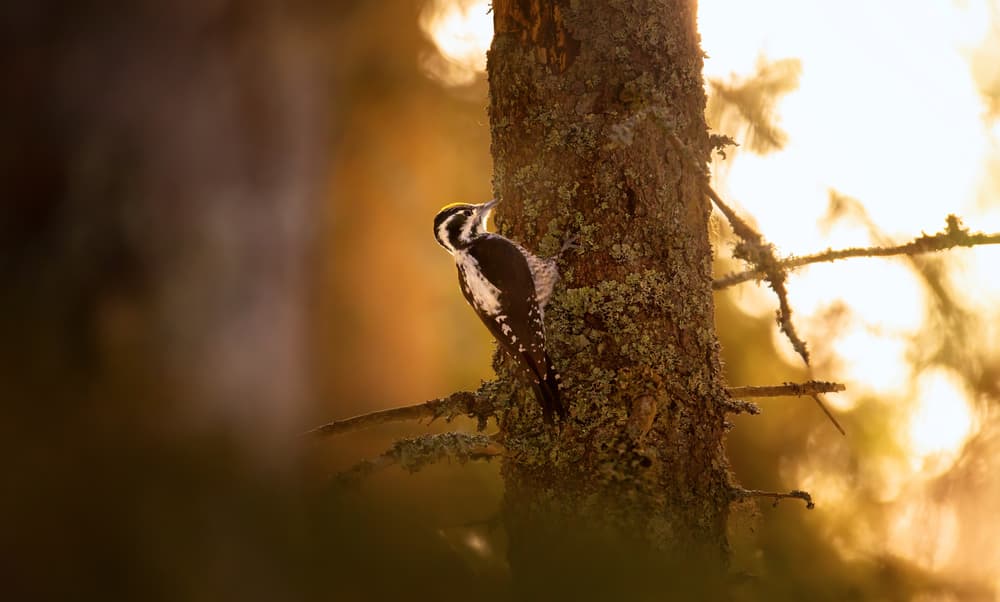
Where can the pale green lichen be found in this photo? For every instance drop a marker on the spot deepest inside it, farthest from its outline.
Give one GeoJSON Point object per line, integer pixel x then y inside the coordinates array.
{"type": "Point", "coordinates": [413, 454]}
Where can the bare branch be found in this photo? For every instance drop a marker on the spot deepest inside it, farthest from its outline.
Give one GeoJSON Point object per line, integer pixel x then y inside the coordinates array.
{"type": "Point", "coordinates": [776, 280]}
{"type": "Point", "coordinates": [739, 493]}
{"type": "Point", "coordinates": [810, 387]}
{"type": "Point", "coordinates": [415, 453]}
{"type": "Point", "coordinates": [753, 99]}
{"type": "Point", "coordinates": [738, 406]}
{"type": "Point", "coordinates": [413, 412]}
{"type": "Point", "coordinates": [754, 250]}
{"type": "Point", "coordinates": [953, 236]}
{"type": "Point", "coordinates": [470, 403]}
{"type": "Point", "coordinates": [829, 415]}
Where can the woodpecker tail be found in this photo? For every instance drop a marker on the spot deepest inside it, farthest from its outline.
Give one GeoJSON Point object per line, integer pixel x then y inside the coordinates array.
{"type": "Point", "coordinates": [547, 391]}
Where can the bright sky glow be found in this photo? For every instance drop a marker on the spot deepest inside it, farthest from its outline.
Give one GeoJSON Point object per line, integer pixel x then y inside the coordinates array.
{"type": "Point", "coordinates": [867, 119]}
{"type": "Point", "coordinates": [888, 112]}
{"type": "Point", "coordinates": [872, 364]}
{"type": "Point", "coordinates": [942, 420]}
{"type": "Point", "coordinates": [925, 531]}
{"type": "Point", "coordinates": [461, 30]}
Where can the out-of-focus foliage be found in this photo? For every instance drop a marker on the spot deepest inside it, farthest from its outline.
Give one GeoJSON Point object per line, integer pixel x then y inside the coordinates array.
{"type": "Point", "coordinates": [897, 515]}
{"type": "Point", "coordinates": [747, 104]}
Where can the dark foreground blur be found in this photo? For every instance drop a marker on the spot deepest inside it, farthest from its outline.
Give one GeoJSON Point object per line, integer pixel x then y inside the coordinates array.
{"type": "Point", "coordinates": [162, 167]}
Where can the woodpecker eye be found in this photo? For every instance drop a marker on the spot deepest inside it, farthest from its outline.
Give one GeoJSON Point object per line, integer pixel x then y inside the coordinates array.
{"type": "Point", "coordinates": [467, 212]}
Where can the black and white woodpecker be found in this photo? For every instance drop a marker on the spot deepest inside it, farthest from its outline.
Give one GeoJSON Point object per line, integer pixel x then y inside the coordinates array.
{"type": "Point", "coordinates": [508, 287]}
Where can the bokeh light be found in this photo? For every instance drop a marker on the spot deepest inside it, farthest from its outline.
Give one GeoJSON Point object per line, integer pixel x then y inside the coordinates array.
{"type": "Point", "coordinates": [890, 129]}
{"type": "Point", "coordinates": [461, 30]}
{"type": "Point", "coordinates": [940, 423]}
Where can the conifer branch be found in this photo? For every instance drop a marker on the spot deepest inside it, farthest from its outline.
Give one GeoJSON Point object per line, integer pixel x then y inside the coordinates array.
{"type": "Point", "coordinates": [415, 453]}
{"type": "Point", "coordinates": [754, 250]}
{"type": "Point", "coordinates": [953, 236]}
{"type": "Point", "coordinates": [476, 404]}
{"type": "Point", "coordinates": [810, 387]}
{"type": "Point", "coordinates": [739, 493]}
{"type": "Point", "coordinates": [828, 413]}
{"type": "Point", "coordinates": [411, 412]}
{"type": "Point", "coordinates": [479, 404]}
{"type": "Point", "coordinates": [739, 406]}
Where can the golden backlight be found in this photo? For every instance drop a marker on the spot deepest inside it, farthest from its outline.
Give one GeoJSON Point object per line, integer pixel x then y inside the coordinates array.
{"type": "Point", "coordinates": [892, 111]}
{"type": "Point", "coordinates": [941, 421]}
{"type": "Point", "coordinates": [461, 31]}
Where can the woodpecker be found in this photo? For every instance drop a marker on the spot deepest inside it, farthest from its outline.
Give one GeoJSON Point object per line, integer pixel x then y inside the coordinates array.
{"type": "Point", "coordinates": [508, 287]}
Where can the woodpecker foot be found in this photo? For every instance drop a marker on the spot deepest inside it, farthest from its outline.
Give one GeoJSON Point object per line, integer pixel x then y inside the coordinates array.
{"type": "Point", "coordinates": [571, 242]}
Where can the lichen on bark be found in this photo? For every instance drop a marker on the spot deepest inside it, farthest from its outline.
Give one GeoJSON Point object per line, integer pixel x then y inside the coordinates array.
{"type": "Point", "coordinates": [634, 315]}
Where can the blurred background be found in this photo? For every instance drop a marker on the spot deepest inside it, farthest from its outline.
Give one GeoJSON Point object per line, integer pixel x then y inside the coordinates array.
{"type": "Point", "coordinates": [216, 236]}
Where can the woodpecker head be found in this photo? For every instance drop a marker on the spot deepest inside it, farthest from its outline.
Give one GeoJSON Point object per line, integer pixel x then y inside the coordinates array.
{"type": "Point", "coordinates": [456, 225]}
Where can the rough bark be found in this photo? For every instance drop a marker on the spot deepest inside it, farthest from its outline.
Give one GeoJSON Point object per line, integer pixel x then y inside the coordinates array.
{"type": "Point", "coordinates": [633, 492]}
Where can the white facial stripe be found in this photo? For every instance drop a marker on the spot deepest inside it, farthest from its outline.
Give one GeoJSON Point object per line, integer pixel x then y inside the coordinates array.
{"type": "Point", "coordinates": [485, 217]}
{"type": "Point", "coordinates": [467, 228]}
{"type": "Point", "coordinates": [442, 234]}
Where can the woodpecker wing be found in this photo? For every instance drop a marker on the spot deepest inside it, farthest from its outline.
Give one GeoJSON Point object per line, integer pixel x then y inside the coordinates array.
{"type": "Point", "coordinates": [506, 302]}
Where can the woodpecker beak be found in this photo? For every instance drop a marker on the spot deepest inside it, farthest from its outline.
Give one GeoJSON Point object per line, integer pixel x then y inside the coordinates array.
{"type": "Point", "coordinates": [485, 209]}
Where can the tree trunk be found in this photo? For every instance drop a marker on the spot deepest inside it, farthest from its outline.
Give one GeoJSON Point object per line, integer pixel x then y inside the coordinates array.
{"type": "Point", "coordinates": [633, 492]}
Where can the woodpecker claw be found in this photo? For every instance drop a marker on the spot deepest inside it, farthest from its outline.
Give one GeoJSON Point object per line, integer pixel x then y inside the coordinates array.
{"type": "Point", "coordinates": [571, 242]}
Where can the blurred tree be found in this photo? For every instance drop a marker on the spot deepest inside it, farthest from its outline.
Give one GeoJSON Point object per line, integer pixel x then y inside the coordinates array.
{"type": "Point", "coordinates": [159, 166]}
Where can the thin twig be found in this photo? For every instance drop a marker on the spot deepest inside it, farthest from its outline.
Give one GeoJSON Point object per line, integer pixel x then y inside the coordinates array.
{"type": "Point", "coordinates": [740, 493]}
{"type": "Point", "coordinates": [475, 403]}
{"type": "Point", "coordinates": [810, 387]}
{"type": "Point", "coordinates": [953, 236]}
{"type": "Point", "coordinates": [415, 453]}
{"type": "Point", "coordinates": [754, 250]}
{"type": "Point", "coordinates": [739, 406]}
{"type": "Point", "coordinates": [413, 412]}
{"type": "Point", "coordinates": [829, 415]}
{"type": "Point", "coordinates": [462, 402]}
